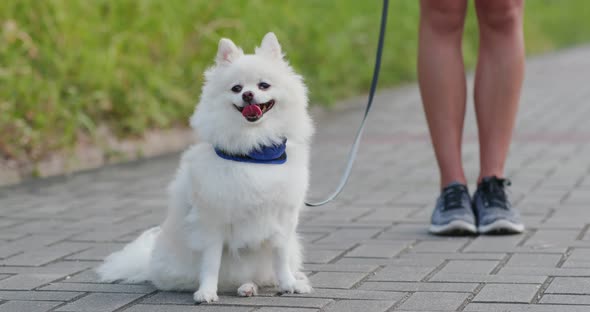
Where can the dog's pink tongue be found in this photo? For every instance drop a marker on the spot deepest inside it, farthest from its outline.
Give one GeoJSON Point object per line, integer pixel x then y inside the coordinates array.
{"type": "Point", "coordinates": [252, 111]}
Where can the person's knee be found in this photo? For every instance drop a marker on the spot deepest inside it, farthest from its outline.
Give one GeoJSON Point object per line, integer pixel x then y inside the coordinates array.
{"type": "Point", "coordinates": [443, 16]}
{"type": "Point", "coordinates": [500, 15]}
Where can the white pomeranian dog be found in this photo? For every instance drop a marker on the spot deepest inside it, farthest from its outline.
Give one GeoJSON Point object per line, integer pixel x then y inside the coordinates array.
{"type": "Point", "coordinates": [234, 203]}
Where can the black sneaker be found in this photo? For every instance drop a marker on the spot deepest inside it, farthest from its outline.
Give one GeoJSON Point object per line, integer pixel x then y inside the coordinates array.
{"type": "Point", "coordinates": [493, 209]}
{"type": "Point", "coordinates": [452, 213]}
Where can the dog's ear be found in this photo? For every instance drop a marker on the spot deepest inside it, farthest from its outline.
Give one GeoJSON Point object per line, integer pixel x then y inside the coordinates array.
{"type": "Point", "coordinates": [270, 46]}
{"type": "Point", "coordinates": [227, 52]}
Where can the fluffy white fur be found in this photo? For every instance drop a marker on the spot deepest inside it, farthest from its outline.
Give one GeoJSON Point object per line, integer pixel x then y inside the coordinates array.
{"type": "Point", "coordinates": [231, 225]}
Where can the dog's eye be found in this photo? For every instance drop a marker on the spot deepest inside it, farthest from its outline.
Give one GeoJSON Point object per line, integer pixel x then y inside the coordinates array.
{"type": "Point", "coordinates": [236, 88]}
{"type": "Point", "coordinates": [263, 86]}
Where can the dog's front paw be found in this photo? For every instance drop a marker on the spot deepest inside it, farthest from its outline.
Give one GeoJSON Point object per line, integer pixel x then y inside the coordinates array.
{"type": "Point", "coordinates": [248, 290]}
{"type": "Point", "coordinates": [300, 276]}
{"type": "Point", "coordinates": [296, 287]}
{"type": "Point", "coordinates": [204, 295]}
{"type": "Point", "coordinates": [302, 287]}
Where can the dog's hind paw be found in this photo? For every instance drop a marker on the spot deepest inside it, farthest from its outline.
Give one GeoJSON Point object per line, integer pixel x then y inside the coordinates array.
{"type": "Point", "coordinates": [203, 295]}
{"type": "Point", "coordinates": [248, 290]}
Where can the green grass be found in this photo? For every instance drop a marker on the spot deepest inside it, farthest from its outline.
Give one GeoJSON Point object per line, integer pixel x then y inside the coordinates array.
{"type": "Point", "coordinates": [69, 67]}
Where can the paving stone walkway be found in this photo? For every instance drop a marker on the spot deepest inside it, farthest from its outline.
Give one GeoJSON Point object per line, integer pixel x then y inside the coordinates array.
{"type": "Point", "coordinates": [367, 252]}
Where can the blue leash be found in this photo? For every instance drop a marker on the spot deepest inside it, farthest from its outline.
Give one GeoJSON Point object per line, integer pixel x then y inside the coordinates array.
{"type": "Point", "coordinates": [355, 146]}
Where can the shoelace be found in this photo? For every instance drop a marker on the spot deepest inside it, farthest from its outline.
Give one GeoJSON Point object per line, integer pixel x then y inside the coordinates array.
{"type": "Point", "coordinates": [493, 190]}
{"type": "Point", "coordinates": [453, 197]}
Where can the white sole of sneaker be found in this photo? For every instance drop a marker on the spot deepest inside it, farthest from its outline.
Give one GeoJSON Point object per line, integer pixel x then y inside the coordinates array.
{"type": "Point", "coordinates": [455, 226]}
{"type": "Point", "coordinates": [501, 226]}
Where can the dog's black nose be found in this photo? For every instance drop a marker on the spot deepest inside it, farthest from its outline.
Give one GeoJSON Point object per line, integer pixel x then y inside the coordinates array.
{"type": "Point", "coordinates": [248, 96]}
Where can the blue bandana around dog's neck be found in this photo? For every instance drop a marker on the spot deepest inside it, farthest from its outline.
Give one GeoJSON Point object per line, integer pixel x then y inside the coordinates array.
{"type": "Point", "coordinates": [274, 154]}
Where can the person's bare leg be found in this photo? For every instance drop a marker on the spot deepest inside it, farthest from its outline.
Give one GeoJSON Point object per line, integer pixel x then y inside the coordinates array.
{"type": "Point", "coordinates": [441, 77]}
{"type": "Point", "coordinates": [498, 80]}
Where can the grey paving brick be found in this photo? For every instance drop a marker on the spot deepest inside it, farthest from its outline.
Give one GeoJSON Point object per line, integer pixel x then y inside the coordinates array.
{"type": "Point", "coordinates": [75, 266]}
{"type": "Point", "coordinates": [88, 276]}
{"type": "Point", "coordinates": [493, 244]}
{"type": "Point", "coordinates": [110, 234]}
{"type": "Point", "coordinates": [439, 246]}
{"type": "Point", "coordinates": [27, 281]}
{"type": "Point", "coordinates": [360, 305]}
{"type": "Point", "coordinates": [321, 256]}
{"type": "Point", "coordinates": [579, 258]}
{"type": "Point", "coordinates": [59, 268]}
{"type": "Point", "coordinates": [4, 222]}
{"type": "Point", "coordinates": [10, 235]}
{"type": "Point", "coordinates": [483, 278]}
{"type": "Point", "coordinates": [533, 260]}
{"type": "Point", "coordinates": [44, 255]}
{"type": "Point", "coordinates": [348, 235]}
{"type": "Point", "coordinates": [546, 237]}
{"type": "Point", "coordinates": [343, 214]}
{"type": "Point", "coordinates": [569, 285]}
{"type": "Point", "coordinates": [545, 271]}
{"type": "Point", "coordinates": [406, 230]}
{"type": "Point", "coordinates": [402, 273]}
{"type": "Point", "coordinates": [469, 266]}
{"type": "Point", "coordinates": [580, 254]}
{"type": "Point", "coordinates": [28, 306]}
{"type": "Point", "coordinates": [419, 286]}
{"type": "Point", "coordinates": [299, 302]}
{"type": "Point", "coordinates": [169, 297]}
{"type": "Point", "coordinates": [494, 307]}
{"type": "Point", "coordinates": [377, 251]}
{"type": "Point", "coordinates": [507, 293]}
{"type": "Point", "coordinates": [340, 245]}
{"type": "Point", "coordinates": [576, 263]}
{"type": "Point", "coordinates": [39, 295]}
{"type": "Point", "coordinates": [422, 301]}
{"type": "Point", "coordinates": [566, 299]}
{"type": "Point", "coordinates": [277, 309]}
{"type": "Point", "coordinates": [352, 294]}
{"type": "Point", "coordinates": [191, 308]}
{"type": "Point", "coordinates": [96, 251]}
{"type": "Point", "coordinates": [324, 231]}
{"type": "Point", "coordinates": [341, 267]}
{"type": "Point", "coordinates": [308, 238]}
{"type": "Point", "coordinates": [452, 256]}
{"type": "Point", "coordinates": [387, 215]}
{"type": "Point", "coordinates": [336, 279]}
{"type": "Point", "coordinates": [30, 242]}
{"type": "Point", "coordinates": [104, 302]}
{"type": "Point", "coordinates": [392, 261]}
{"type": "Point", "coordinates": [114, 288]}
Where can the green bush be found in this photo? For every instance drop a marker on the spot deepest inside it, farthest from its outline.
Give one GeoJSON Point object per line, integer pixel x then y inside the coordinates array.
{"type": "Point", "coordinates": [68, 67]}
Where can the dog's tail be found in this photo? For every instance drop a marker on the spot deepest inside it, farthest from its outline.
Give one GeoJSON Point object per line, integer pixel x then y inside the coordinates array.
{"type": "Point", "coordinates": [132, 263]}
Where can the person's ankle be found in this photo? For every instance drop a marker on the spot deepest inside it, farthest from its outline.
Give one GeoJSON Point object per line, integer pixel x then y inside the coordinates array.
{"type": "Point", "coordinates": [446, 182]}
{"type": "Point", "coordinates": [489, 175]}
